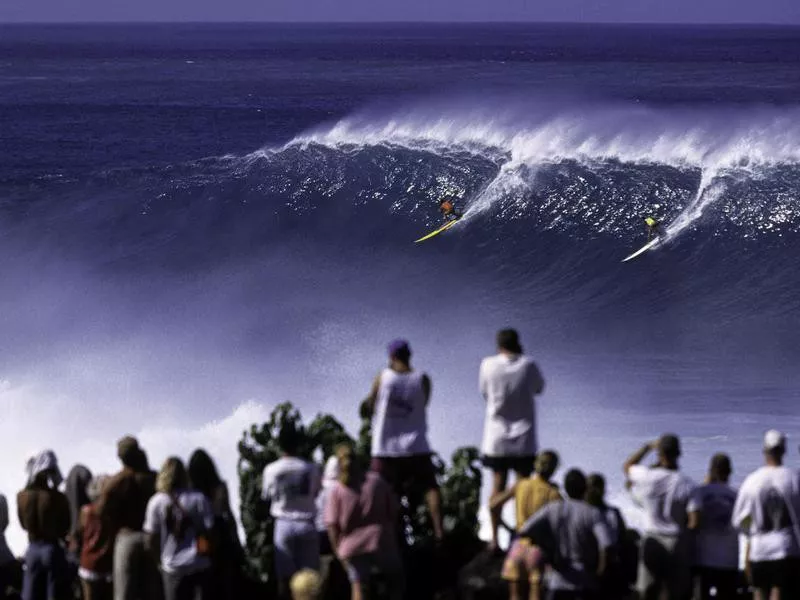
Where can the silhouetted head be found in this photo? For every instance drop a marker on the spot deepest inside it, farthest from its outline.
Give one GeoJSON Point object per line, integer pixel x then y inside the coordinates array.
{"type": "Point", "coordinates": [289, 439]}
{"type": "Point", "coordinates": [399, 350]}
{"type": "Point", "coordinates": [595, 489]}
{"type": "Point", "coordinates": [305, 585]}
{"type": "Point", "coordinates": [774, 446]}
{"type": "Point", "coordinates": [546, 464]}
{"type": "Point", "coordinates": [128, 451]}
{"type": "Point", "coordinates": [575, 484]}
{"type": "Point", "coordinates": [720, 468]}
{"type": "Point", "coordinates": [508, 341]}
{"type": "Point", "coordinates": [202, 471]}
{"type": "Point", "coordinates": [669, 449]}
{"type": "Point", "coordinates": [172, 476]}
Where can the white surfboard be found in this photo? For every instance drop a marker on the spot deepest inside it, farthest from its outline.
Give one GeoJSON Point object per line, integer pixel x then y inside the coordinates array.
{"type": "Point", "coordinates": [651, 244]}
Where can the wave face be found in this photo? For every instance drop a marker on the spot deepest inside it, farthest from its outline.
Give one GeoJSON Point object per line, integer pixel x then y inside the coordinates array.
{"type": "Point", "coordinates": [553, 198]}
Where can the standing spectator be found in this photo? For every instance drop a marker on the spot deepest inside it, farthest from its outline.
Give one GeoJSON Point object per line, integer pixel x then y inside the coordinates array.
{"type": "Point", "coordinates": [509, 381]}
{"type": "Point", "coordinates": [361, 516]}
{"type": "Point", "coordinates": [97, 546]}
{"type": "Point", "coordinates": [123, 502]}
{"type": "Point", "coordinates": [766, 508]}
{"type": "Point", "coordinates": [665, 562]}
{"type": "Point", "coordinates": [179, 524]}
{"type": "Point", "coordinates": [44, 514]}
{"type": "Point", "coordinates": [716, 557]}
{"type": "Point", "coordinates": [531, 494]}
{"type": "Point", "coordinates": [227, 558]}
{"type": "Point", "coordinates": [613, 584]}
{"type": "Point", "coordinates": [78, 478]}
{"type": "Point", "coordinates": [576, 539]}
{"type": "Point", "coordinates": [8, 564]}
{"type": "Point", "coordinates": [330, 477]}
{"type": "Point", "coordinates": [291, 485]}
{"type": "Point", "coordinates": [397, 404]}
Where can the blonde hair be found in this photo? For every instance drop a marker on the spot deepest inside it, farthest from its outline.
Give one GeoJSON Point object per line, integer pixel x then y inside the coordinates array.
{"type": "Point", "coordinates": [306, 585]}
{"type": "Point", "coordinates": [349, 470]}
{"type": "Point", "coordinates": [172, 476]}
{"type": "Point", "coordinates": [94, 489]}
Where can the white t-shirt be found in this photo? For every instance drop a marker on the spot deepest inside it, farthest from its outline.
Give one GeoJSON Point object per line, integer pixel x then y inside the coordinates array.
{"type": "Point", "coordinates": [769, 497]}
{"type": "Point", "coordinates": [716, 541]}
{"type": "Point", "coordinates": [663, 494]}
{"type": "Point", "coordinates": [509, 384]}
{"type": "Point", "coordinates": [291, 484]}
{"type": "Point", "coordinates": [400, 425]}
{"type": "Point", "coordinates": [180, 555]}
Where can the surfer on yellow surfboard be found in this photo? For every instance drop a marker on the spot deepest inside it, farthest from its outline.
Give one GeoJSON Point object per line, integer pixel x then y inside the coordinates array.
{"type": "Point", "coordinates": [448, 210]}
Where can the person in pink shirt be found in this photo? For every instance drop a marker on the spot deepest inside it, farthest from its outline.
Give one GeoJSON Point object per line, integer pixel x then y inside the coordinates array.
{"type": "Point", "coordinates": [361, 517]}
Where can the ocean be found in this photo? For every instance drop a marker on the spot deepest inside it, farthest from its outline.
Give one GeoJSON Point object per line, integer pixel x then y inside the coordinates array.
{"type": "Point", "coordinates": [198, 222]}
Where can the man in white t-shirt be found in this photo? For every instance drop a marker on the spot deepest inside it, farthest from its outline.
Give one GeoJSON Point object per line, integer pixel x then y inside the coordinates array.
{"type": "Point", "coordinates": [291, 485]}
{"type": "Point", "coordinates": [397, 404]}
{"type": "Point", "coordinates": [766, 510]}
{"type": "Point", "coordinates": [663, 492]}
{"type": "Point", "coordinates": [508, 381]}
{"type": "Point", "coordinates": [716, 555]}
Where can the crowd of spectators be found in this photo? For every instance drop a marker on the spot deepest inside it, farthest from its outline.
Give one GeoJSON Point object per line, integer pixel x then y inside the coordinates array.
{"type": "Point", "coordinates": [171, 535]}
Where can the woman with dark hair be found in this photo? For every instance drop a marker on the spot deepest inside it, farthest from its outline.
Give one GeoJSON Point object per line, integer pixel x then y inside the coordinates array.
{"type": "Point", "coordinates": [228, 556]}
{"type": "Point", "coordinates": [179, 524]}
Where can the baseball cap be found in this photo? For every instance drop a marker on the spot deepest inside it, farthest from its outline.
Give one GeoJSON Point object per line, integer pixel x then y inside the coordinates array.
{"type": "Point", "coordinates": [399, 348]}
{"type": "Point", "coordinates": [774, 439]}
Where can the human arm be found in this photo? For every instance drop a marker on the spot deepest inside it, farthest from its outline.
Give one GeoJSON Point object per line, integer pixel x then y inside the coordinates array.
{"type": "Point", "coordinates": [538, 380]}
{"type": "Point", "coordinates": [603, 536]}
{"type": "Point", "coordinates": [152, 527]}
{"type": "Point", "coordinates": [636, 457]}
{"type": "Point", "coordinates": [742, 516]}
{"type": "Point", "coordinates": [3, 513]}
{"type": "Point", "coordinates": [427, 388]}
{"type": "Point", "coordinates": [368, 405]}
{"type": "Point", "coordinates": [693, 510]}
{"type": "Point", "coordinates": [332, 520]}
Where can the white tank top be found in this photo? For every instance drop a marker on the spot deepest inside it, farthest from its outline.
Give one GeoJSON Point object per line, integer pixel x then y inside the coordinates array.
{"type": "Point", "coordinates": [400, 426]}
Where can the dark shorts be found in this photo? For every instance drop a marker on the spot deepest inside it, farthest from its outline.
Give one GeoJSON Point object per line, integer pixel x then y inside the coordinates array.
{"type": "Point", "coordinates": [521, 465]}
{"type": "Point", "coordinates": [782, 574]}
{"type": "Point", "coordinates": [407, 474]}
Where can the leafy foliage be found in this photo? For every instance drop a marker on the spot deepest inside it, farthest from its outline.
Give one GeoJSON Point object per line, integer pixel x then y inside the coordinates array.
{"type": "Point", "coordinates": [460, 485]}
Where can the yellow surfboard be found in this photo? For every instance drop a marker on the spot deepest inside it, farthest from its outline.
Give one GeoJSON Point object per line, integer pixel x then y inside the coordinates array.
{"type": "Point", "coordinates": [445, 227]}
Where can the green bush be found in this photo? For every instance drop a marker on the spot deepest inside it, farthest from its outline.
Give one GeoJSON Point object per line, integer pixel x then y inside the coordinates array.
{"type": "Point", "coordinates": [460, 485]}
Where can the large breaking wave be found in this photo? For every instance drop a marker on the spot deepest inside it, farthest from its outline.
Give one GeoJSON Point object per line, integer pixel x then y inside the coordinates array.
{"type": "Point", "coordinates": [553, 194]}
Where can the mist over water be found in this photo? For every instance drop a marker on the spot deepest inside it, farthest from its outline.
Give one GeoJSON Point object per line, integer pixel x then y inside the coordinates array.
{"type": "Point", "coordinates": [212, 237]}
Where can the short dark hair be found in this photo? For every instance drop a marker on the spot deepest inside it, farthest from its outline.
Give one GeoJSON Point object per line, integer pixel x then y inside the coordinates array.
{"type": "Point", "coordinates": [575, 484]}
{"type": "Point", "coordinates": [669, 445]}
{"type": "Point", "coordinates": [508, 339]}
{"type": "Point", "coordinates": [721, 465]}
{"type": "Point", "coordinates": [289, 438]}
{"type": "Point", "coordinates": [546, 463]}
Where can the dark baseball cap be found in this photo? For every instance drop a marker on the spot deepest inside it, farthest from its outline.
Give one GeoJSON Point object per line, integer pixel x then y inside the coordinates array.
{"type": "Point", "coordinates": [399, 348]}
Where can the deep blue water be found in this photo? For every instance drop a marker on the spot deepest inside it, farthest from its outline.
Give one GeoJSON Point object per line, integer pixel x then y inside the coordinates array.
{"type": "Point", "coordinates": [200, 214]}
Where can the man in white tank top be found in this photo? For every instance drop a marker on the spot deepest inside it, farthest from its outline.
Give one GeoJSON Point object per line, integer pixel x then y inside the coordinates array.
{"type": "Point", "coordinates": [509, 382]}
{"type": "Point", "coordinates": [397, 405]}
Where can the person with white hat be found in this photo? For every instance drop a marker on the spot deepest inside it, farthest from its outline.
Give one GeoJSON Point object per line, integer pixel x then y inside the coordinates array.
{"type": "Point", "coordinates": [766, 510]}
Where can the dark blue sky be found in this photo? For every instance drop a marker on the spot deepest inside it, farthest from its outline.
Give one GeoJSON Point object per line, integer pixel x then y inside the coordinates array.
{"type": "Point", "coordinates": [656, 11]}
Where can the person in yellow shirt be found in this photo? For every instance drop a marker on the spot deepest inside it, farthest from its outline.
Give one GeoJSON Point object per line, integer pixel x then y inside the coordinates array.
{"type": "Point", "coordinates": [653, 228]}
{"type": "Point", "coordinates": [531, 494]}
